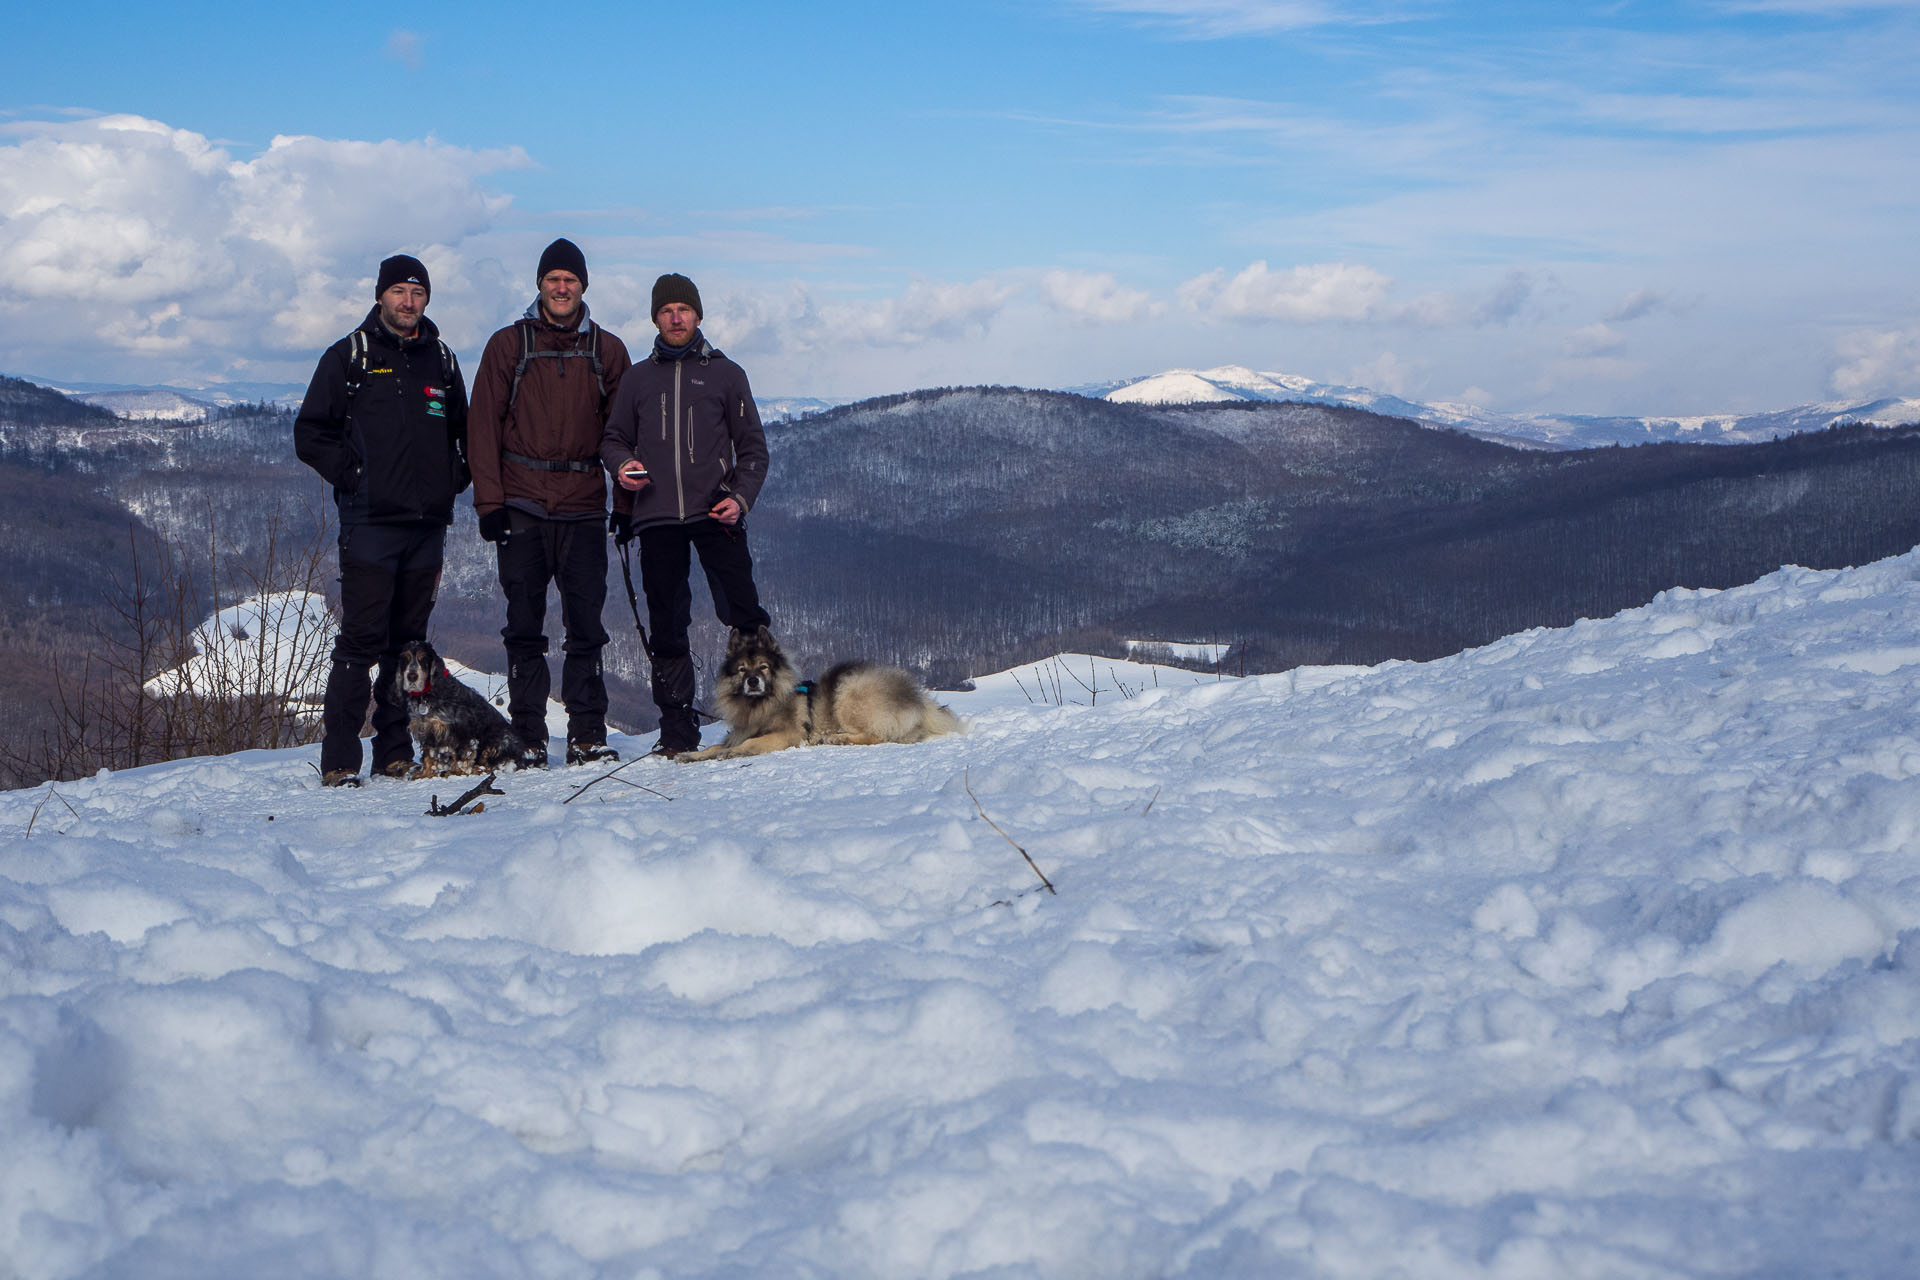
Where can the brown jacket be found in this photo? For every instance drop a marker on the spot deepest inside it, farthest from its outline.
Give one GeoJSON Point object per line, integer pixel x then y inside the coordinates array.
{"type": "Point", "coordinates": [558, 416]}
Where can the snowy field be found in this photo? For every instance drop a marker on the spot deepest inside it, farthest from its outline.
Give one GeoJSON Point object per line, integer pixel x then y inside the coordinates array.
{"type": "Point", "coordinates": [1591, 953]}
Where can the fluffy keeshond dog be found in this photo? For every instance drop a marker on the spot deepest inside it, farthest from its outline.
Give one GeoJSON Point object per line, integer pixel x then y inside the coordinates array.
{"type": "Point", "coordinates": [767, 708]}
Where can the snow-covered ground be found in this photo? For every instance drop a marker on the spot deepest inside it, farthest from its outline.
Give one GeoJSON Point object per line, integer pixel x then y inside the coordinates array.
{"type": "Point", "coordinates": [1594, 952]}
{"type": "Point", "coordinates": [279, 643]}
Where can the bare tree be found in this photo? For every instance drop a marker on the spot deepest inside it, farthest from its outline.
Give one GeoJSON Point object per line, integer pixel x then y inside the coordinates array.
{"type": "Point", "coordinates": [196, 658]}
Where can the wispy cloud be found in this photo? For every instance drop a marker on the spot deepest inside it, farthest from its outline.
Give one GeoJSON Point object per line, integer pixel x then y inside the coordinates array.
{"type": "Point", "coordinates": [406, 48]}
{"type": "Point", "coordinates": [795, 320]}
{"type": "Point", "coordinates": [1221, 19]}
{"type": "Point", "coordinates": [1641, 302]}
{"type": "Point", "coordinates": [1594, 340]}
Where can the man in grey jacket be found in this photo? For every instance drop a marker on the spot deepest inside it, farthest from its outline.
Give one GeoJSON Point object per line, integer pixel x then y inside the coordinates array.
{"type": "Point", "coordinates": [685, 445]}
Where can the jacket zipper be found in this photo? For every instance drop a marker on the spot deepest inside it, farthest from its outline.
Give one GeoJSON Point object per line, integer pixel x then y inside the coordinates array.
{"type": "Point", "coordinates": [679, 475]}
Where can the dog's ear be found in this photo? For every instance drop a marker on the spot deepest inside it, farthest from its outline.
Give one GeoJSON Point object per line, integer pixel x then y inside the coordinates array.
{"type": "Point", "coordinates": [765, 637]}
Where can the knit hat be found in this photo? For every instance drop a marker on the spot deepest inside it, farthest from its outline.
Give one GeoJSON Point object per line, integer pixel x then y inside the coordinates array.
{"type": "Point", "coordinates": [676, 288]}
{"type": "Point", "coordinates": [562, 255]}
{"type": "Point", "coordinates": [401, 269]}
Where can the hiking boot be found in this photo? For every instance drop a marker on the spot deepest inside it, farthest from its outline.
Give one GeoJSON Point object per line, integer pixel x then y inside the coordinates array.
{"type": "Point", "coordinates": [679, 731]}
{"type": "Point", "coordinates": [397, 769]}
{"type": "Point", "coordinates": [340, 778]}
{"type": "Point", "coordinates": [531, 758]}
{"type": "Point", "coordinates": [590, 752]}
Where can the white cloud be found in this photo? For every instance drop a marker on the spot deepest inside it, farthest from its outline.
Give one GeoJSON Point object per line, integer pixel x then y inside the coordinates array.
{"type": "Point", "coordinates": [151, 239]}
{"type": "Point", "coordinates": [1389, 373]}
{"type": "Point", "coordinates": [1594, 341]}
{"type": "Point", "coordinates": [927, 311]}
{"type": "Point", "coordinates": [1300, 295]}
{"type": "Point", "coordinates": [1090, 297]}
{"type": "Point", "coordinates": [1876, 364]}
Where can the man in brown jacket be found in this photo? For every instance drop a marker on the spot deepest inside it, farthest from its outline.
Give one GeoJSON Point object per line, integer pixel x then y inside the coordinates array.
{"type": "Point", "coordinates": [539, 409]}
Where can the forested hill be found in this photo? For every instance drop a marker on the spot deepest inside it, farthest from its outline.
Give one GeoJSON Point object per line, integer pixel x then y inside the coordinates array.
{"type": "Point", "coordinates": [985, 519]}
{"type": "Point", "coordinates": [28, 404]}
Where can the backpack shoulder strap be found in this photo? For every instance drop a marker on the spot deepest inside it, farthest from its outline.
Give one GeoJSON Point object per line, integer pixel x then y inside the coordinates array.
{"type": "Point", "coordinates": [357, 366]}
{"type": "Point", "coordinates": [526, 354]}
{"type": "Point", "coordinates": [599, 373]}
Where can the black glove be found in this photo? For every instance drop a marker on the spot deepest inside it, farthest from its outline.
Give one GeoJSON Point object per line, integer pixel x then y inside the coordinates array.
{"type": "Point", "coordinates": [620, 525]}
{"type": "Point", "coordinates": [495, 524]}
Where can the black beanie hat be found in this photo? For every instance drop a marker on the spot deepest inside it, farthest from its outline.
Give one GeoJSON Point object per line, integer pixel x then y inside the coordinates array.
{"type": "Point", "coordinates": [399, 269]}
{"type": "Point", "coordinates": [676, 288]}
{"type": "Point", "coordinates": [562, 255]}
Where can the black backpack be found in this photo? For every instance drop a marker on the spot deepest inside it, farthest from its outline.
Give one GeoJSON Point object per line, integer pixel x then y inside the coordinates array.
{"type": "Point", "coordinates": [360, 367]}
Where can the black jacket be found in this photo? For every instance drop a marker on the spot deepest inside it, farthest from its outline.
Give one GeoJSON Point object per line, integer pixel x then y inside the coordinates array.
{"type": "Point", "coordinates": [395, 449]}
{"type": "Point", "coordinates": [694, 425]}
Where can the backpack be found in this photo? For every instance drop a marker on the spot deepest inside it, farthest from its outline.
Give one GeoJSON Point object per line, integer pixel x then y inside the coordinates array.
{"type": "Point", "coordinates": [527, 353]}
{"type": "Point", "coordinates": [360, 367]}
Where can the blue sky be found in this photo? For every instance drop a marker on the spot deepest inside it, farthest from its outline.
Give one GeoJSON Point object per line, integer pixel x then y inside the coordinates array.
{"type": "Point", "coordinates": [1642, 208]}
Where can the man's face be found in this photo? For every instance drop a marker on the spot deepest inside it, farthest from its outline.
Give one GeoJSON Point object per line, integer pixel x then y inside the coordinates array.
{"type": "Point", "coordinates": [677, 322]}
{"type": "Point", "coordinates": [560, 295]}
{"type": "Point", "coordinates": [402, 305]}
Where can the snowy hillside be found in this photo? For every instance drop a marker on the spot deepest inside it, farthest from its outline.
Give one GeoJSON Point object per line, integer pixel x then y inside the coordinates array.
{"type": "Point", "coordinates": [1593, 952]}
{"type": "Point", "coordinates": [154, 403]}
{"type": "Point", "coordinates": [1566, 431]}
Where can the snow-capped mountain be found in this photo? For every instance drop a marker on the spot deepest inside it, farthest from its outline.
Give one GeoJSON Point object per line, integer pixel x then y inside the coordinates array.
{"type": "Point", "coordinates": [785, 408]}
{"type": "Point", "coordinates": [1561, 431]}
{"type": "Point", "coordinates": [1592, 952]}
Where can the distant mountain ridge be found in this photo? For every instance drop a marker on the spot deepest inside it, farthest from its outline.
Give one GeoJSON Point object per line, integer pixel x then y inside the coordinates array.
{"type": "Point", "coordinates": [1226, 384]}
{"type": "Point", "coordinates": [1230, 383]}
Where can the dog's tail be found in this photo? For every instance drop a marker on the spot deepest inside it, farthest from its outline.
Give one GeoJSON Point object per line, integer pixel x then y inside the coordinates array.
{"type": "Point", "coordinates": [938, 720]}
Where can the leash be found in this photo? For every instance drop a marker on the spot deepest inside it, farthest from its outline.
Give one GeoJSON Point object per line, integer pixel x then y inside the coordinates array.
{"type": "Point", "coordinates": [633, 603]}
{"type": "Point", "coordinates": [633, 600]}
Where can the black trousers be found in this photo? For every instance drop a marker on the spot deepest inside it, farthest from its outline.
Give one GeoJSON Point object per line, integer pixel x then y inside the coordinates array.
{"type": "Point", "coordinates": [571, 554]}
{"type": "Point", "coordinates": [389, 577]}
{"type": "Point", "coordinates": [666, 552]}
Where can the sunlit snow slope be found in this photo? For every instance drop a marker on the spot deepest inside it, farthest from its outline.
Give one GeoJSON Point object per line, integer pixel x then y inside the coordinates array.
{"type": "Point", "coordinates": [1594, 952]}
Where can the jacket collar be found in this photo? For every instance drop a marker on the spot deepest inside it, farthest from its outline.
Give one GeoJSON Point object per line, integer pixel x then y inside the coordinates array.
{"type": "Point", "coordinates": [698, 349]}
{"type": "Point", "coordinates": [539, 317]}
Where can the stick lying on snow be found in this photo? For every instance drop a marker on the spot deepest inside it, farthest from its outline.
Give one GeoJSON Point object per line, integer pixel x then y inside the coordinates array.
{"type": "Point", "coordinates": [484, 787]}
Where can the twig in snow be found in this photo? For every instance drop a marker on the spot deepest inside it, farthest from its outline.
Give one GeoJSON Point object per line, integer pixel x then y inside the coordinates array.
{"type": "Point", "coordinates": [581, 790]}
{"type": "Point", "coordinates": [51, 795]}
{"type": "Point", "coordinates": [1150, 800]}
{"type": "Point", "coordinates": [484, 787]}
{"type": "Point", "coordinates": [966, 783]}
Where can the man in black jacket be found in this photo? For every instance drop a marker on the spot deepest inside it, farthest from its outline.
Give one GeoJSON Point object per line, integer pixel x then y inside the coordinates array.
{"type": "Point", "coordinates": [385, 423]}
{"type": "Point", "coordinates": [685, 445]}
